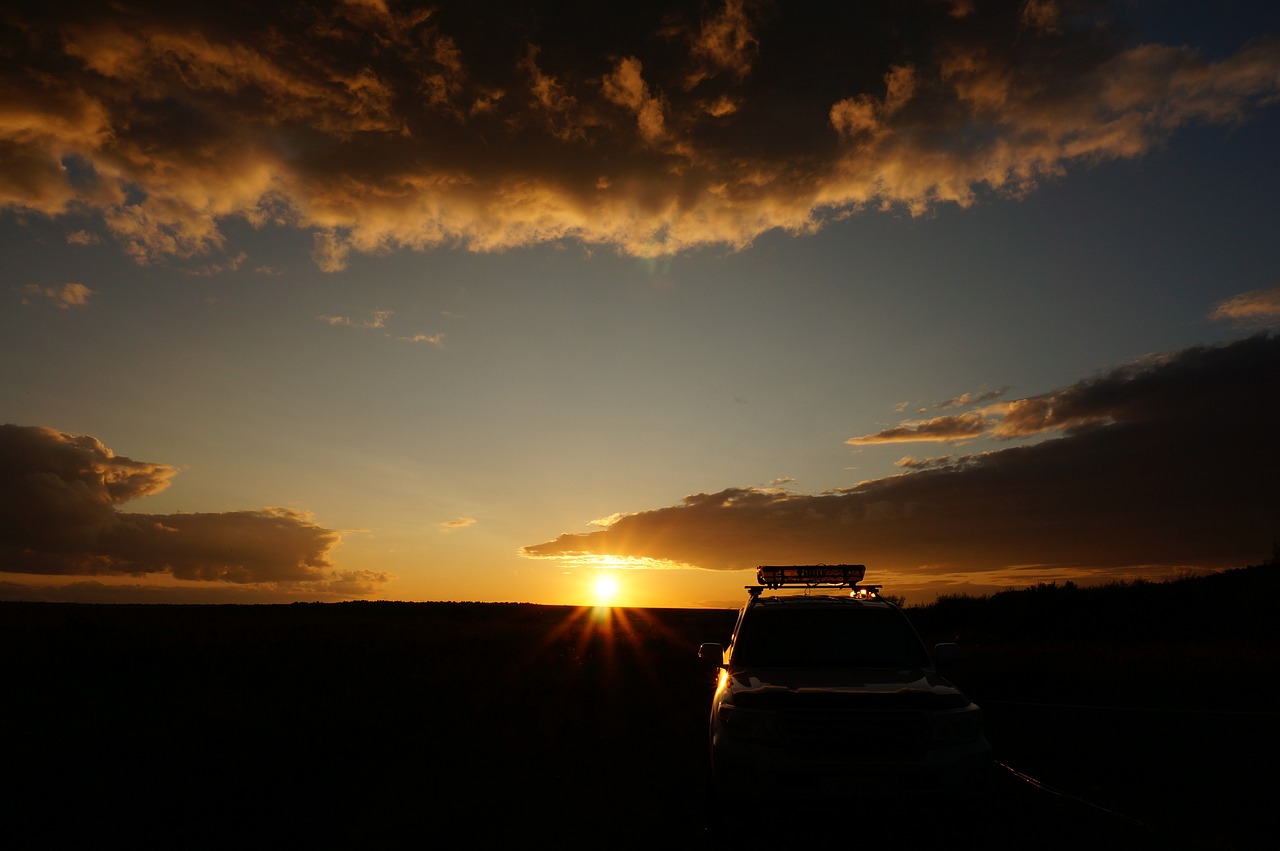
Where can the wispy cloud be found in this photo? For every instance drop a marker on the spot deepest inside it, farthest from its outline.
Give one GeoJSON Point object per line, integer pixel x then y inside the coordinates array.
{"type": "Point", "coordinates": [1156, 465]}
{"type": "Point", "coordinates": [964, 400]}
{"type": "Point", "coordinates": [64, 296]}
{"type": "Point", "coordinates": [1259, 307]}
{"type": "Point", "coordinates": [230, 265]}
{"type": "Point", "coordinates": [336, 586]}
{"type": "Point", "coordinates": [458, 523]}
{"type": "Point", "coordinates": [948, 428]}
{"type": "Point", "coordinates": [375, 322]}
{"type": "Point", "coordinates": [436, 340]}
{"type": "Point", "coordinates": [910, 462]}
{"type": "Point", "coordinates": [374, 127]}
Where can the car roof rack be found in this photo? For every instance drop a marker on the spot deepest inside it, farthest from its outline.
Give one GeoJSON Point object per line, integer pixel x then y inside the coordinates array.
{"type": "Point", "coordinates": [811, 576]}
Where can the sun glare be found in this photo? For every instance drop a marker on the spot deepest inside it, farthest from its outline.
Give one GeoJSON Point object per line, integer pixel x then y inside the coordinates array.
{"type": "Point", "coordinates": [606, 590]}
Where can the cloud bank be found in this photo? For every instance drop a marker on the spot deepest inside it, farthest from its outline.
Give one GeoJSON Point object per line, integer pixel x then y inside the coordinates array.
{"type": "Point", "coordinates": [1162, 464]}
{"type": "Point", "coordinates": [647, 128]}
{"type": "Point", "coordinates": [59, 515]}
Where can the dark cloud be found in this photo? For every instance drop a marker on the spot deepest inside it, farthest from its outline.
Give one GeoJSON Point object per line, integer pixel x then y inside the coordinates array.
{"type": "Point", "coordinates": [650, 128]}
{"type": "Point", "coordinates": [1168, 463]}
{"type": "Point", "coordinates": [58, 515]}
{"type": "Point", "coordinates": [336, 586]}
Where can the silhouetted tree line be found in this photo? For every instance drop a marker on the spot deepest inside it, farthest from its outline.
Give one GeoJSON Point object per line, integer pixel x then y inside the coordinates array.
{"type": "Point", "coordinates": [1231, 605]}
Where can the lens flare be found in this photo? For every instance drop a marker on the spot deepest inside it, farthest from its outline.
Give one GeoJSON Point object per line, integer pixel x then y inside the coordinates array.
{"type": "Point", "coordinates": [606, 590]}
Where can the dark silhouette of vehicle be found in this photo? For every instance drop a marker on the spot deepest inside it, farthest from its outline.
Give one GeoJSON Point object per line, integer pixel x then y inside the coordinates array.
{"type": "Point", "coordinates": [825, 690]}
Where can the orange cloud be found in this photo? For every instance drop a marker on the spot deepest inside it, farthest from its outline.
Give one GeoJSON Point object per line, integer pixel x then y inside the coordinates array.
{"type": "Point", "coordinates": [65, 296]}
{"type": "Point", "coordinates": [377, 129]}
{"type": "Point", "coordinates": [626, 87]}
{"type": "Point", "coordinates": [1258, 306]}
{"type": "Point", "coordinates": [949, 428]}
{"type": "Point", "coordinates": [550, 99]}
{"type": "Point", "coordinates": [724, 42]}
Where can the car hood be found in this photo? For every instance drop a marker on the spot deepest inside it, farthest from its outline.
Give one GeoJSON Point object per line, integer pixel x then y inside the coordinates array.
{"type": "Point", "coordinates": [764, 681]}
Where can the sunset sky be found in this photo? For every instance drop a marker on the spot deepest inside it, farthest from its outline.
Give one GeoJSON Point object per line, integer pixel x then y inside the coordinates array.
{"type": "Point", "coordinates": [487, 300]}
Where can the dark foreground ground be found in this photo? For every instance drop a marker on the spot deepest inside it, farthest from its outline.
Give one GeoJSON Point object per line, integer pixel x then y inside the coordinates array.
{"type": "Point", "coordinates": [391, 724]}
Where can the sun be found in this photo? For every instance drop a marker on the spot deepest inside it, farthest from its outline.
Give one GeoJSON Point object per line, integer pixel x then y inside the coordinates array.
{"type": "Point", "coordinates": [606, 590]}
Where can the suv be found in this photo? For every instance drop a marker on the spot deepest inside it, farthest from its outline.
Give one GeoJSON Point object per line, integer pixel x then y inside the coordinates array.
{"type": "Point", "coordinates": [830, 693]}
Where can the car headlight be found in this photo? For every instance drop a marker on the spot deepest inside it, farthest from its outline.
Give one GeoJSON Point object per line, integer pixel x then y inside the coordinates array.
{"type": "Point", "coordinates": [756, 724]}
{"type": "Point", "coordinates": [955, 725]}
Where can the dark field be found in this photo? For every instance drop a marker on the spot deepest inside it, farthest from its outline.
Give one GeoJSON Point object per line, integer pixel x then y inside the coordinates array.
{"type": "Point", "coordinates": [389, 724]}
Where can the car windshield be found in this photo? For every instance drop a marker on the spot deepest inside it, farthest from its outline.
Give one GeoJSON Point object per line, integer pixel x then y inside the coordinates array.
{"type": "Point", "coordinates": [834, 637]}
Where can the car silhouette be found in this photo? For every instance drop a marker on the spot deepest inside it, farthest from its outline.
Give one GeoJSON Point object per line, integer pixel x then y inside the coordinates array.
{"type": "Point", "coordinates": [825, 690]}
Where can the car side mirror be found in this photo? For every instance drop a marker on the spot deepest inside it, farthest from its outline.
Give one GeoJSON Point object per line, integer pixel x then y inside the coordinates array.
{"type": "Point", "coordinates": [946, 653]}
{"type": "Point", "coordinates": [711, 652]}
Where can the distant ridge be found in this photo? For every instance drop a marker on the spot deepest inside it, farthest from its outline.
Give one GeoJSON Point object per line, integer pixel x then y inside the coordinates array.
{"type": "Point", "coordinates": [1232, 604]}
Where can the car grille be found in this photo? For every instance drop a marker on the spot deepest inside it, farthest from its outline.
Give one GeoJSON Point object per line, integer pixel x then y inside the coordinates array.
{"type": "Point", "coordinates": [868, 734]}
